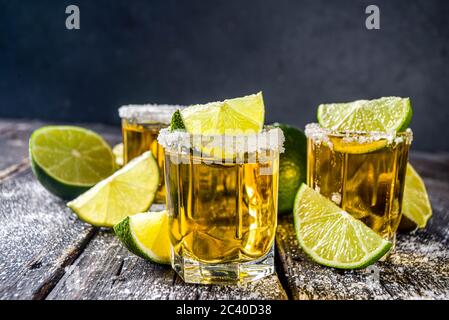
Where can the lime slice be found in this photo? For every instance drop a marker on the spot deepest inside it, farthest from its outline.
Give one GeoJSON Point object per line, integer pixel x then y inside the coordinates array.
{"type": "Point", "coordinates": [118, 154]}
{"type": "Point", "coordinates": [146, 235]}
{"type": "Point", "coordinates": [416, 207]}
{"type": "Point", "coordinates": [128, 191]}
{"type": "Point", "coordinates": [233, 116]}
{"type": "Point", "coordinates": [352, 147]}
{"type": "Point", "coordinates": [389, 114]}
{"type": "Point", "coordinates": [69, 160]}
{"type": "Point", "coordinates": [331, 236]}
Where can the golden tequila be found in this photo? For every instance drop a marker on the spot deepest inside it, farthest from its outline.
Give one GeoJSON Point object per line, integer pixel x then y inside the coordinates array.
{"type": "Point", "coordinates": [140, 127]}
{"type": "Point", "coordinates": [363, 173]}
{"type": "Point", "coordinates": [138, 138]}
{"type": "Point", "coordinates": [222, 216]}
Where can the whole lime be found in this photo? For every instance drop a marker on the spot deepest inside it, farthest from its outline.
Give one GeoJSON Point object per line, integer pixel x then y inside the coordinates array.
{"type": "Point", "coordinates": [292, 166]}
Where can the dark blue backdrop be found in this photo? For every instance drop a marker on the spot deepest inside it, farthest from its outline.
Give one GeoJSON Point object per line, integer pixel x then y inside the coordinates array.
{"type": "Point", "coordinates": [300, 53]}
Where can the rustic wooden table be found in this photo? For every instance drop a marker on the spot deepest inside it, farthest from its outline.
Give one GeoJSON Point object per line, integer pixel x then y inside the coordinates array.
{"type": "Point", "coordinates": [46, 253]}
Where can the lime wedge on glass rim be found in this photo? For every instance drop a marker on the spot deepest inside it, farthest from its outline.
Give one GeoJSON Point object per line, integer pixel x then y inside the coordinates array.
{"type": "Point", "coordinates": [128, 191]}
{"type": "Point", "coordinates": [384, 115]}
{"type": "Point", "coordinates": [146, 235]}
{"type": "Point", "coordinates": [416, 207]}
{"type": "Point", "coordinates": [331, 236]}
{"type": "Point", "coordinates": [238, 116]}
{"type": "Point", "coordinates": [230, 116]}
{"type": "Point", "coordinates": [388, 114]}
{"type": "Point", "coordinates": [68, 160]}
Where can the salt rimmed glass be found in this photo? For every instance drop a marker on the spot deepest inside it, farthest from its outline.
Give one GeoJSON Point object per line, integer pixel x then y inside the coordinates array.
{"type": "Point", "coordinates": [362, 172]}
{"type": "Point", "coordinates": [222, 196]}
{"type": "Point", "coordinates": [140, 128]}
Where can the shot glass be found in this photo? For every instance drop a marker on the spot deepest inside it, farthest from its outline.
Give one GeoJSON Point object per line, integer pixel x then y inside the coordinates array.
{"type": "Point", "coordinates": [222, 194]}
{"type": "Point", "coordinates": [362, 172]}
{"type": "Point", "coordinates": [140, 127]}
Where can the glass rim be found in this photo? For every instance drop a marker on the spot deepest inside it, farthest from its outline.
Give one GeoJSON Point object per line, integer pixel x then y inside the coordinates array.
{"type": "Point", "coordinates": [148, 112]}
{"type": "Point", "coordinates": [180, 141]}
{"type": "Point", "coordinates": [315, 131]}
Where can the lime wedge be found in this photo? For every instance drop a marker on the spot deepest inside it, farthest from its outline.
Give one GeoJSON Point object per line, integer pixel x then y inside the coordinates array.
{"type": "Point", "coordinates": [389, 114]}
{"type": "Point", "coordinates": [118, 154]}
{"type": "Point", "coordinates": [128, 191]}
{"type": "Point", "coordinates": [331, 236]}
{"type": "Point", "coordinates": [233, 116]}
{"type": "Point", "coordinates": [416, 205]}
{"type": "Point", "coordinates": [69, 160]}
{"type": "Point", "coordinates": [357, 147]}
{"type": "Point", "coordinates": [146, 235]}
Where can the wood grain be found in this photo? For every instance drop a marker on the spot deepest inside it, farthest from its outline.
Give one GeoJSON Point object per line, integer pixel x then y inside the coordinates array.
{"type": "Point", "coordinates": [106, 270]}
{"type": "Point", "coordinates": [39, 237]}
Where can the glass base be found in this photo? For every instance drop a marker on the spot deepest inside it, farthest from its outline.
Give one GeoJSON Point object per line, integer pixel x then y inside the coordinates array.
{"type": "Point", "coordinates": [194, 271]}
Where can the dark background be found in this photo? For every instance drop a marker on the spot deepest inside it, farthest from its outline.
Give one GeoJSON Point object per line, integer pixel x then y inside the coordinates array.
{"type": "Point", "coordinates": [300, 53]}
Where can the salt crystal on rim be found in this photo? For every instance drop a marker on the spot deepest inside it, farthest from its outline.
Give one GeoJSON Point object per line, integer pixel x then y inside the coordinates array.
{"type": "Point", "coordinates": [319, 134]}
{"type": "Point", "coordinates": [270, 139]}
{"type": "Point", "coordinates": [148, 112]}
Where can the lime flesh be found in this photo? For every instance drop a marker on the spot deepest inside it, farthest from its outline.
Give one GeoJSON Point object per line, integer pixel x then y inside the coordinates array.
{"type": "Point", "coordinates": [388, 114]}
{"type": "Point", "coordinates": [232, 116]}
{"type": "Point", "coordinates": [128, 191]}
{"type": "Point", "coordinates": [331, 236]}
{"type": "Point", "coordinates": [146, 235]}
{"type": "Point", "coordinates": [416, 205]}
{"type": "Point", "coordinates": [118, 154]}
{"type": "Point", "coordinates": [68, 160]}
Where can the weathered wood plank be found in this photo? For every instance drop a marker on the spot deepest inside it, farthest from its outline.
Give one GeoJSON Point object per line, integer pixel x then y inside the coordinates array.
{"type": "Point", "coordinates": [14, 146]}
{"type": "Point", "coordinates": [106, 270]}
{"type": "Point", "coordinates": [39, 236]}
{"type": "Point", "coordinates": [418, 269]}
